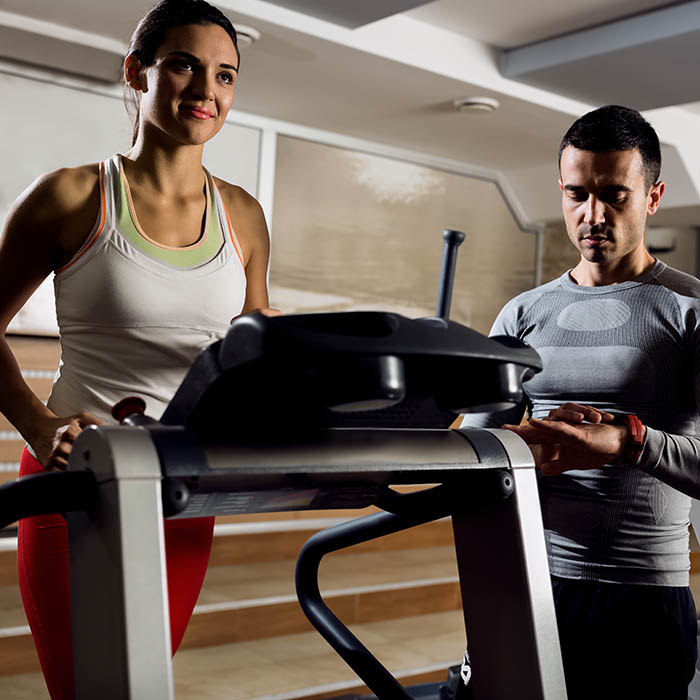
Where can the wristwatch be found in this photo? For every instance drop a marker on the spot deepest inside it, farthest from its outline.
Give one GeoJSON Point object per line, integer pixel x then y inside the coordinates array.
{"type": "Point", "coordinates": [635, 441]}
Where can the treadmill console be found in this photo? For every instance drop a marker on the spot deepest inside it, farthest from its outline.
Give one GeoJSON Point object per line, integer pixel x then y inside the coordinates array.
{"type": "Point", "coordinates": [303, 373]}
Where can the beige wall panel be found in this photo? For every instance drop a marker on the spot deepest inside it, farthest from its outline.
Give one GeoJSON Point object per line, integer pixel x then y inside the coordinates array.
{"type": "Point", "coordinates": [558, 253]}
{"type": "Point", "coordinates": [683, 242]}
{"type": "Point", "coordinates": [353, 230]}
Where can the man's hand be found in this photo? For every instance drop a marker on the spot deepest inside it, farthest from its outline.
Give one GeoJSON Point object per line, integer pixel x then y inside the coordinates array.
{"type": "Point", "coordinates": [577, 413]}
{"type": "Point", "coordinates": [564, 441]}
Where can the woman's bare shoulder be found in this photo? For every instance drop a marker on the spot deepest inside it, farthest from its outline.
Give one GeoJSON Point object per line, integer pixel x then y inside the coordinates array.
{"type": "Point", "coordinates": [64, 191]}
{"type": "Point", "coordinates": [237, 199]}
{"type": "Point", "coordinates": [57, 211]}
{"type": "Point", "coordinates": [247, 217]}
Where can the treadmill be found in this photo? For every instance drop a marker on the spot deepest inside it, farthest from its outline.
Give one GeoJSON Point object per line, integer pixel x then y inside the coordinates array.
{"type": "Point", "coordinates": [362, 401]}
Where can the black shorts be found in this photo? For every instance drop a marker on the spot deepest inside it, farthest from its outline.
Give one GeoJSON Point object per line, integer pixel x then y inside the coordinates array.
{"type": "Point", "coordinates": [624, 642]}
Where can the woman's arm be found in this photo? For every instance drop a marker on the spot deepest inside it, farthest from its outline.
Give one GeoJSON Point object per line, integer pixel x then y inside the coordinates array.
{"type": "Point", "coordinates": [43, 230]}
{"type": "Point", "coordinates": [248, 221]}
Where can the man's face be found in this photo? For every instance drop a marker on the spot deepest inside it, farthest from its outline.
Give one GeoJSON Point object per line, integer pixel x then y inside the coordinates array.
{"type": "Point", "coordinates": [605, 202]}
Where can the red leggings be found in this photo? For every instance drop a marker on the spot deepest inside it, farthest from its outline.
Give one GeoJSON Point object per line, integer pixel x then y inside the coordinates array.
{"type": "Point", "coordinates": [42, 563]}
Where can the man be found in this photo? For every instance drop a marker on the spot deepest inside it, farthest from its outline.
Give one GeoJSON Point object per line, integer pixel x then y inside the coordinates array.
{"type": "Point", "coordinates": [619, 336]}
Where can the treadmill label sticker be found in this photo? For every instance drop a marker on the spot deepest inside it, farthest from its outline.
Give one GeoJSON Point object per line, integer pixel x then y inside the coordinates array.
{"type": "Point", "coordinates": [226, 503]}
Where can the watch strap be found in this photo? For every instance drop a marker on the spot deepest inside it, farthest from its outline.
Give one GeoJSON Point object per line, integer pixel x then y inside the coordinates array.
{"type": "Point", "coordinates": [635, 441]}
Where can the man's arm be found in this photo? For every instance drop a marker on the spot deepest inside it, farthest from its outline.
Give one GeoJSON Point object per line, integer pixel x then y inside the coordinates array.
{"type": "Point", "coordinates": [580, 437]}
{"type": "Point", "coordinates": [573, 436]}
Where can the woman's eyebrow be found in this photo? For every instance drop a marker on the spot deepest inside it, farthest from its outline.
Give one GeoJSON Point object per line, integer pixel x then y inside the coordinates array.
{"type": "Point", "coordinates": [194, 59]}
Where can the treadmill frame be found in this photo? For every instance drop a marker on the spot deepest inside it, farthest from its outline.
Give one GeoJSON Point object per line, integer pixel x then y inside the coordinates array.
{"type": "Point", "coordinates": [121, 635]}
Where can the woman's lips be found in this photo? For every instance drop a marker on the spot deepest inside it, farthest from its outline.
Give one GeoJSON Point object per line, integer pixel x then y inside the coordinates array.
{"type": "Point", "coordinates": [196, 112]}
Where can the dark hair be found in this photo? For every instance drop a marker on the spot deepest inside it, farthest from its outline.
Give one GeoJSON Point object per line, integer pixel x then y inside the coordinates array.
{"type": "Point", "coordinates": [615, 128]}
{"type": "Point", "coordinates": [151, 30]}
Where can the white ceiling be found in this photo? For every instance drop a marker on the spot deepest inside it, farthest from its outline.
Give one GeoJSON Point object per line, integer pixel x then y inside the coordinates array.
{"type": "Point", "coordinates": [509, 23]}
{"type": "Point", "coordinates": [392, 81]}
{"type": "Point", "coordinates": [350, 14]}
{"type": "Point", "coordinates": [500, 23]}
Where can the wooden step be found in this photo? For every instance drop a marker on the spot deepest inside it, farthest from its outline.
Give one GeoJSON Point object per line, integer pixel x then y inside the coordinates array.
{"type": "Point", "coordinates": [8, 561]}
{"type": "Point", "coordinates": [271, 668]}
{"type": "Point", "coordinates": [224, 623]}
{"type": "Point", "coordinates": [297, 667]}
{"type": "Point", "coordinates": [33, 352]}
{"type": "Point", "coordinates": [41, 386]}
{"type": "Point", "coordinates": [258, 600]}
{"type": "Point", "coordinates": [11, 611]}
{"type": "Point", "coordinates": [17, 654]}
{"type": "Point", "coordinates": [254, 542]}
{"type": "Point", "coordinates": [9, 475]}
{"type": "Point", "coordinates": [11, 450]}
{"type": "Point", "coordinates": [272, 541]}
{"type": "Point", "coordinates": [352, 570]}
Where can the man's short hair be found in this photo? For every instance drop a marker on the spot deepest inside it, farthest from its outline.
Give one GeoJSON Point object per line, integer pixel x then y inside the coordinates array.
{"type": "Point", "coordinates": [616, 128]}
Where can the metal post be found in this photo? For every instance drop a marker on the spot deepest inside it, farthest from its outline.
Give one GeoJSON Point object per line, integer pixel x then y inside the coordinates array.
{"type": "Point", "coordinates": [453, 239]}
{"type": "Point", "coordinates": [506, 592]}
{"type": "Point", "coordinates": [119, 602]}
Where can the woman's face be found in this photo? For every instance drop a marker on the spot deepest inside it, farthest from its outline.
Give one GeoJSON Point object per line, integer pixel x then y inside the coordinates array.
{"type": "Point", "coordinates": [188, 90]}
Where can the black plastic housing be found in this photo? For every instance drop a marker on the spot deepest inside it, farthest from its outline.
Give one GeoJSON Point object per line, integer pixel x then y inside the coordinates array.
{"type": "Point", "coordinates": [307, 372]}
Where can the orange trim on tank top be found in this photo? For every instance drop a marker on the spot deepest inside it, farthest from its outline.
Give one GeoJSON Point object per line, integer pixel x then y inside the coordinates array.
{"type": "Point", "coordinates": [233, 238]}
{"type": "Point", "coordinates": [103, 217]}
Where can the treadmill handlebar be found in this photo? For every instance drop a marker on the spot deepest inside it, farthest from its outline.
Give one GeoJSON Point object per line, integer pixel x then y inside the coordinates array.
{"type": "Point", "coordinates": [437, 503]}
{"type": "Point", "coordinates": [41, 494]}
{"type": "Point", "coordinates": [131, 411]}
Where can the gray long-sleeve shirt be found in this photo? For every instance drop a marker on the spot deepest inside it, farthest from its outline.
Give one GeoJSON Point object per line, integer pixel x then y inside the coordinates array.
{"type": "Point", "coordinates": [632, 347]}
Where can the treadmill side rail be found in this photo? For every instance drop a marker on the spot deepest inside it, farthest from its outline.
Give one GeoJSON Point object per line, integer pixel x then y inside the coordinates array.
{"type": "Point", "coordinates": [120, 613]}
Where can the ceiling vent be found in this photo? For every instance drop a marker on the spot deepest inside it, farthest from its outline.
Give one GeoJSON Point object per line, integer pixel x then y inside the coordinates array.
{"type": "Point", "coordinates": [246, 36]}
{"type": "Point", "coordinates": [476, 104]}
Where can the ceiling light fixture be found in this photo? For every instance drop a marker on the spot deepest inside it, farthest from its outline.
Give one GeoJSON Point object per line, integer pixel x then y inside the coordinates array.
{"type": "Point", "coordinates": [476, 104]}
{"type": "Point", "coordinates": [246, 35]}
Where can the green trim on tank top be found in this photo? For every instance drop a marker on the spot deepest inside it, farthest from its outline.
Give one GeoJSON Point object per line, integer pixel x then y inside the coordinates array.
{"type": "Point", "coordinates": [192, 256]}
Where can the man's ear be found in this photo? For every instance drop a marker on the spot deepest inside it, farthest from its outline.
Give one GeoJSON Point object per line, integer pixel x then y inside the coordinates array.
{"type": "Point", "coordinates": [561, 184]}
{"type": "Point", "coordinates": [134, 73]}
{"type": "Point", "coordinates": [654, 197]}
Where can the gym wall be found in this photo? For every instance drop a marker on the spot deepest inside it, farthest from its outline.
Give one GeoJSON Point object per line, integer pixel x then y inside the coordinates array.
{"type": "Point", "coordinates": [359, 231]}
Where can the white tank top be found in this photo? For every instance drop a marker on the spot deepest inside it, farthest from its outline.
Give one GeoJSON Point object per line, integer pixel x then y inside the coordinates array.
{"type": "Point", "coordinates": [131, 323]}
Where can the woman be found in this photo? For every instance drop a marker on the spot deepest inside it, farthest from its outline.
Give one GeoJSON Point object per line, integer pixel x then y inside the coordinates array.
{"type": "Point", "coordinates": [152, 258]}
